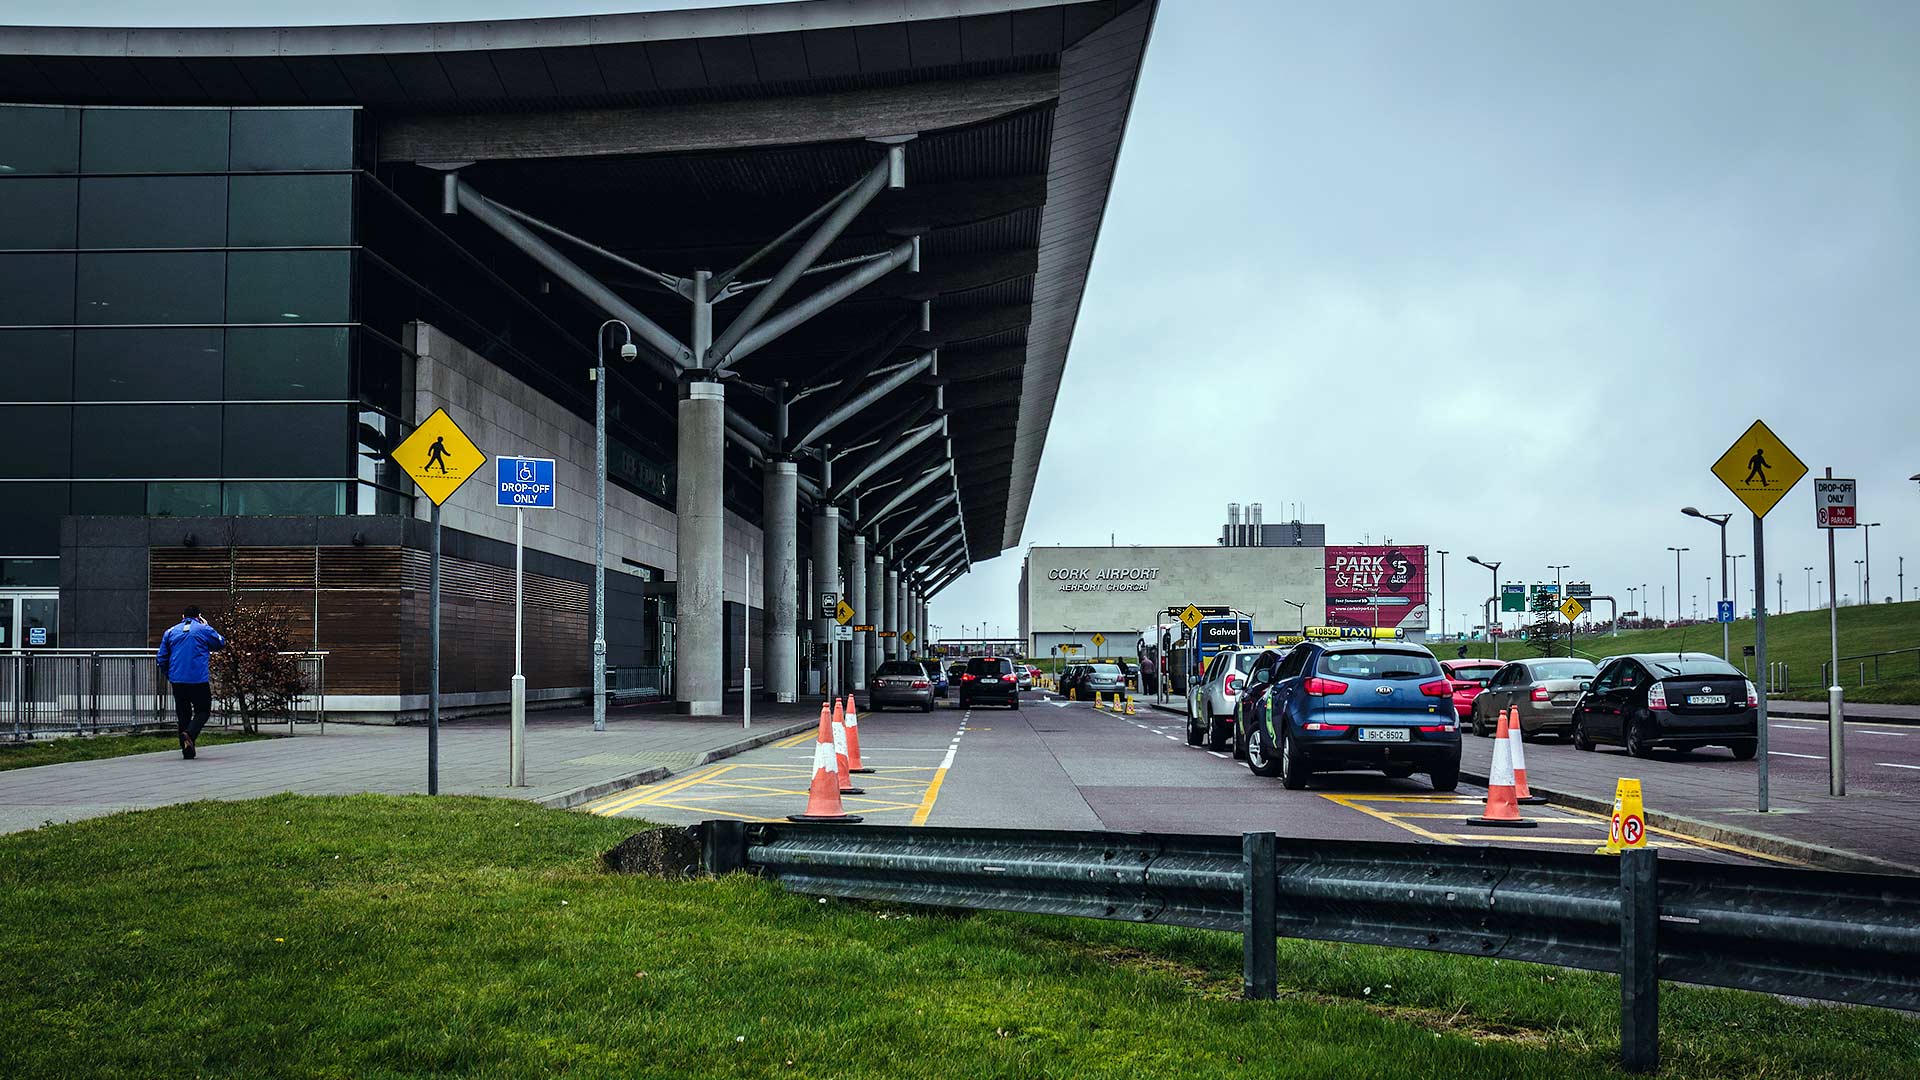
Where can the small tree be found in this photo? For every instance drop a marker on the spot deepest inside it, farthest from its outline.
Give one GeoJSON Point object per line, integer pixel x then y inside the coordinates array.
{"type": "Point", "coordinates": [1543, 633]}
{"type": "Point", "coordinates": [251, 676]}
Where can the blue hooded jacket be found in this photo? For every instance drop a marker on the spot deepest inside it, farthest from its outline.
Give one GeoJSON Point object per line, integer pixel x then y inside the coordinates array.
{"type": "Point", "coordinates": [184, 649]}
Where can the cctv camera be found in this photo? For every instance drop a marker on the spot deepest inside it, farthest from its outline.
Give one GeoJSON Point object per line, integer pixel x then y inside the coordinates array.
{"type": "Point", "coordinates": [628, 352]}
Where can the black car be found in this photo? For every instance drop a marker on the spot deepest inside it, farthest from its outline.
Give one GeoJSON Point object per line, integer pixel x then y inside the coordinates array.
{"type": "Point", "coordinates": [1670, 701]}
{"type": "Point", "coordinates": [989, 680]}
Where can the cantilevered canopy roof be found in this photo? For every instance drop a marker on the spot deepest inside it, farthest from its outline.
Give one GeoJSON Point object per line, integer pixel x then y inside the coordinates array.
{"type": "Point", "coordinates": [686, 140]}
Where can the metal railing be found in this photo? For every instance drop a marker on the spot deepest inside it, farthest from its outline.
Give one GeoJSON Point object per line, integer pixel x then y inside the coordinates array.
{"type": "Point", "coordinates": [1862, 662]}
{"type": "Point", "coordinates": [47, 692]}
{"type": "Point", "coordinates": [642, 682]}
{"type": "Point", "coordinates": [1819, 934]}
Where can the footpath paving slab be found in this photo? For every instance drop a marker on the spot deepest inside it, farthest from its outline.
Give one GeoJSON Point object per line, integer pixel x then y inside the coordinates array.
{"type": "Point", "coordinates": [568, 763]}
{"type": "Point", "coordinates": [1817, 710]}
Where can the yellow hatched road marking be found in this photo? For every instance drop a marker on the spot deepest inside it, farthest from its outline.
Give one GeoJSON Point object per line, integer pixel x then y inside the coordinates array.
{"type": "Point", "coordinates": [933, 792]}
{"type": "Point", "coordinates": [1715, 844]}
{"type": "Point", "coordinates": [1388, 818]}
{"type": "Point", "coordinates": [647, 794]}
{"type": "Point", "coordinates": [796, 740]}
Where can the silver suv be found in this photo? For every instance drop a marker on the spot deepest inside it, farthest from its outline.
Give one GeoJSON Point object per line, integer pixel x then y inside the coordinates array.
{"type": "Point", "coordinates": [1211, 701]}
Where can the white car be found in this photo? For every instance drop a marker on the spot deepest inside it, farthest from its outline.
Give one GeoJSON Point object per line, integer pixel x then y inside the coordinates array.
{"type": "Point", "coordinates": [1210, 704]}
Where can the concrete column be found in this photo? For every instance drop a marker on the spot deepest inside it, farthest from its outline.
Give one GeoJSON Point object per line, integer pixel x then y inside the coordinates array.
{"type": "Point", "coordinates": [826, 576]}
{"type": "Point", "coordinates": [892, 600]}
{"type": "Point", "coordinates": [780, 584]}
{"type": "Point", "coordinates": [698, 682]}
{"type": "Point", "coordinates": [876, 610]}
{"type": "Point", "coordinates": [857, 596]}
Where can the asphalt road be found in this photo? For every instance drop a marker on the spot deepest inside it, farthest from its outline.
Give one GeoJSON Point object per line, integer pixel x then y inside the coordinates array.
{"type": "Point", "coordinates": [1059, 765]}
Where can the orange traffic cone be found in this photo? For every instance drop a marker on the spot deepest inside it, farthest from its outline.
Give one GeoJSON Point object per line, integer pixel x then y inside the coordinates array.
{"type": "Point", "coordinates": [823, 795]}
{"type": "Point", "coordinates": [853, 739]}
{"type": "Point", "coordinates": [840, 749]}
{"type": "Point", "coordinates": [1518, 745]}
{"type": "Point", "coordinates": [1502, 811]}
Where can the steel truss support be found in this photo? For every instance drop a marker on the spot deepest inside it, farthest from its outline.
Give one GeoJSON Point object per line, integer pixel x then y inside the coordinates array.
{"type": "Point", "coordinates": [886, 455]}
{"type": "Point", "coordinates": [855, 400]}
{"type": "Point", "coordinates": [915, 488]}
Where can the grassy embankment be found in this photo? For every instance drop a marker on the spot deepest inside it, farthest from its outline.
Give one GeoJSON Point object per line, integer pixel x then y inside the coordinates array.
{"type": "Point", "coordinates": [1798, 638]}
{"type": "Point", "coordinates": [373, 936]}
{"type": "Point", "coordinates": [95, 747]}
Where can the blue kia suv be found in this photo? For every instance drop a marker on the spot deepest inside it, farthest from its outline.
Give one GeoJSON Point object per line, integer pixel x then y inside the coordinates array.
{"type": "Point", "coordinates": [1332, 704]}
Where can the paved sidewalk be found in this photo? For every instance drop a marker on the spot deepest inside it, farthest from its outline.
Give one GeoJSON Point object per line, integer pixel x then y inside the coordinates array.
{"type": "Point", "coordinates": [1817, 710]}
{"type": "Point", "coordinates": [568, 763]}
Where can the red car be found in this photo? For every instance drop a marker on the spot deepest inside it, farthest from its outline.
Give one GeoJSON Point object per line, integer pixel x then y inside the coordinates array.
{"type": "Point", "coordinates": [1469, 677]}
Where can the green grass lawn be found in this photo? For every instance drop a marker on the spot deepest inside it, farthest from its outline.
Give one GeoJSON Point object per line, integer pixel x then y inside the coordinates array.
{"type": "Point", "coordinates": [1799, 639]}
{"type": "Point", "coordinates": [94, 747]}
{"type": "Point", "coordinates": [372, 937]}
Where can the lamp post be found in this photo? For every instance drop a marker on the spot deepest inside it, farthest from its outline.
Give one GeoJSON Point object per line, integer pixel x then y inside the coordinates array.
{"type": "Point", "coordinates": [1809, 571]}
{"type": "Point", "coordinates": [1443, 593]}
{"type": "Point", "coordinates": [1866, 535]}
{"type": "Point", "coordinates": [1302, 609]}
{"type": "Point", "coordinates": [1720, 520]}
{"type": "Point", "coordinates": [1560, 594]}
{"type": "Point", "coordinates": [1859, 581]}
{"type": "Point", "coordinates": [1677, 593]}
{"type": "Point", "coordinates": [1494, 568]}
{"type": "Point", "coordinates": [1735, 560]}
{"type": "Point", "coordinates": [627, 352]}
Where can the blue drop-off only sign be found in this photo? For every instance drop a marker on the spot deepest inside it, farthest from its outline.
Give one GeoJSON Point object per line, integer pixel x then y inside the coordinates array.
{"type": "Point", "coordinates": [526, 483]}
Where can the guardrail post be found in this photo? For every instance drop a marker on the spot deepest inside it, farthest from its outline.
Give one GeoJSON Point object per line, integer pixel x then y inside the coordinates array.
{"type": "Point", "coordinates": [1639, 960]}
{"type": "Point", "coordinates": [723, 846]}
{"type": "Point", "coordinates": [1260, 979]}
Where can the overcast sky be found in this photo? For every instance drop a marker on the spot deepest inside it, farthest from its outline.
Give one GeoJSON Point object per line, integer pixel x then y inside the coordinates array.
{"type": "Point", "coordinates": [1500, 278]}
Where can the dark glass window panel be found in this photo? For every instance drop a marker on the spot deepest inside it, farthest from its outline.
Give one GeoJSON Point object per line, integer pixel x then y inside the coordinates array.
{"type": "Point", "coordinates": [269, 139]}
{"type": "Point", "coordinates": [36, 365]}
{"type": "Point", "coordinates": [36, 290]}
{"type": "Point", "coordinates": [30, 573]}
{"type": "Point", "coordinates": [288, 286]}
{"type": "Point", "coordinates": [147, 365]}
{"type": "Point", "coordinates": [35, 139]}
{"type": "Point", "coordinates": [285, 440]}
{"type": "Point", "coordinates": [112, 442]}
{"type": "Point", "coordinates": [373, 500]}
{"type": "Point", "coordinates": [386, 374]}
{"type": "Point", "coordinates": [110, 498]}
{"type": "Point", "coordinates": [287, 363]}
{"type": "Point", "coordinates": [178, 499]}
{"type": "Point", "coordinates": [35, 441]}
{"type": "Point", "coordinates": [153, 211]}
{"type": "Point", "coordinates": [37, 213]}
{"type": "Point", "coordinates": [154, 140]}
{"type": "Point", "coordinates": [152, 287]}
{"type": "Point", "coordinates": [280, 499]}
{"type": "Point", "coordinates": [291, 211]}
{"type": "Point", "coordinates": [33, 519]}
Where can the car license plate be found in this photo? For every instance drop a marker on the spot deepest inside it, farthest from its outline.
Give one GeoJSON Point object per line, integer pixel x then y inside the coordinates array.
{"type": "Point", "coordinates": [1706, 699]}
{"type": "Point", "coordinates": [1384, 734]}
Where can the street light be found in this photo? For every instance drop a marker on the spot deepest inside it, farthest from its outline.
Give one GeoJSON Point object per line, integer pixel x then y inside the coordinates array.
{"type": "Point", "coordinates": [1303, 612]}
{"type": "Point", "coordinates": [627, 352]}
{"type": "Point", "coordinates": [1493, 567]}
{"type": "Point", "coordinates": [1560, 594]}
{"type": "Point", "coordinates": [1720, 520]}
{"type": "Point", "coordinates": [1676, 580]}
{"type": "Point", "coordinates": [1735, 560]}
{"type": "Point", "coordinates": [1866, 593]}
{"type": "Point", "coordinates": [1443, 593]}
{"type": "Point", "coordinates": [1859, 582]}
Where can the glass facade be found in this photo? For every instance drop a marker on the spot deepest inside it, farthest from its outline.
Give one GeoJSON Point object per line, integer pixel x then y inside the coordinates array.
{"type": "Point", "coordinates": [179, 325]}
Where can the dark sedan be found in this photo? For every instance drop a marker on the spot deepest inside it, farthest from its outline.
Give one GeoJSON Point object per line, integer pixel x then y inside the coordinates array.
{"type": "Point", "coordinates": [1669, 701]}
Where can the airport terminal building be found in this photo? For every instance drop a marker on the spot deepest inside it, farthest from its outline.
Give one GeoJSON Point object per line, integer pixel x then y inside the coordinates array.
{"type": "Point", "coordinates": [848, 239]}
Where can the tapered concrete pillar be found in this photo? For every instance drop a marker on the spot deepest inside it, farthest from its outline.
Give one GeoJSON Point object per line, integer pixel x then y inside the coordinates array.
{"type": "Point", "coordinates": [892, 600]}
{"type": "Point", "coordinates": [698, 681]}
{"type": "Point", "coordinates": [876, 610]}
{"type": "Point", "coordinates": [826, 578]}
{"type": "Point", "coordinates": [857, 596]}
{"type": "Point", "coordinates": [780, 584]}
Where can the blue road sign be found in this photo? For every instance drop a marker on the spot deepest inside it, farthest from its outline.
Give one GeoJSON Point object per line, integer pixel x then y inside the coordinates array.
{"type": "Point", "coordinates": [36, 635]}
{"type": "Point", "coordinates": [1725, 612]}
{"type": "Point", "coordinates": [524, 482]}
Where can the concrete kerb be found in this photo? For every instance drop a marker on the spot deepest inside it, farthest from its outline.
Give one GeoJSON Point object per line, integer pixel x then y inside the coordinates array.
{"type": "Point", "coordinates": [566, 800]}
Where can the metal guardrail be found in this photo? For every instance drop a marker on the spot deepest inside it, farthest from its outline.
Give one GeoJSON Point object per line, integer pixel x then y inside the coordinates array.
{"type": "Point", "coordinates": [1860, 664]}
{"type": "Point", "coordinates": [1820, 934]}
{"type": "Point", "coordinates": [48, 692]}
{"type": "Point", "coordinates": [640, 682]}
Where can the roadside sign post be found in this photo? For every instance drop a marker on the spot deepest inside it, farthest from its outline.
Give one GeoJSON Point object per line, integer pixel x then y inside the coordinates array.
{"type": "Point", "coordinates": [746, 651]}
{"type": "Point", "coordinates": [1760, 470]}
{"type": "Point", "coordinates": [830, 605]}
{"type": "Point", "coordinates": [524, 484]}
{"type": "Point", "coordinates": [1834, 507]}
{"type": "Point", "coordinates": [439, 458]}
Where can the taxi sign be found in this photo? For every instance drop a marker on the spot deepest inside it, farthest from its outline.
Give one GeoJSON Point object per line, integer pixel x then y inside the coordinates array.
{"type": "Point", "coordinates": [439, 457]}
{"type": "Point", "coordinates": [843, 613]}
{"type": "Point", "coordinates": [1192, 616]}
{"type": "Point", "coordinates": [1759, 469]}
{"type": "Point", "coordinates": [1573, 609]}
{"type": "Point", "coordinates": [1286, 639]}
{"type": "Point", "coordinates": [1099, 638]}
{"type": "Point", "coordinates": [906, 637]}
{"type": "Point", "coordinates": [1376, 633]}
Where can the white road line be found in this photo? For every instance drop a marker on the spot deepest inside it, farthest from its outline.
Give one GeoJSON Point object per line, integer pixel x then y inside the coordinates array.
{"type": "Point", "coordinates": [1870, 731]}
{"type": "Point", "coordinates": [1795, 727]}
{"type": "Point", "coordinates": [1809, 757]}
{"type": "Point", "coordinates": [1220, 755]}
{"type": "Point", "coordinates": [1894, 765]}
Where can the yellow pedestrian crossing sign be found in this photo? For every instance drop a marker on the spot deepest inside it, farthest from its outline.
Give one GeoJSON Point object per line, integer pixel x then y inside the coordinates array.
{"type": "Point", "coordinates": [1099, 639]}
{"type": "Point", "coordinates": [439, 457]}
{"type": "Point", "coordinates": [1573, 609]}
{"type": "Point", "coordinates": [1191, 617]}
{"type": "Point", "coordinates": [1759, 469]}
{"type": "Point", "coordinates": [843, 613]}
{"type": "Point", "coordinates": [906, 637]}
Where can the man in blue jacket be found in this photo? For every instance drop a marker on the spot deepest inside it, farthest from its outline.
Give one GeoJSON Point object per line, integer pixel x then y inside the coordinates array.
{"type": "Point", "coordinates": [184, 649]}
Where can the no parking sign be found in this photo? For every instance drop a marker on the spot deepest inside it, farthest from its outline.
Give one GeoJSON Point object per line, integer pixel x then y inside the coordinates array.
{"type": "Point", "coordinates": [1628, 826]}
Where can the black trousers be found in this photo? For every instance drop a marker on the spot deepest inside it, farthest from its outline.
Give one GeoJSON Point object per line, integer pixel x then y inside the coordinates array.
{"type": "Point", "coordinates": [192, 702]}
